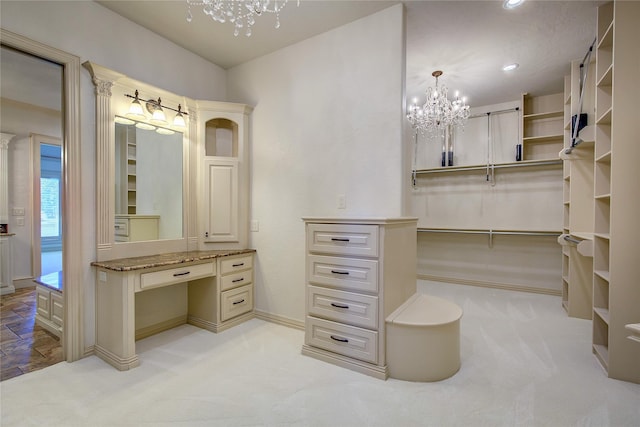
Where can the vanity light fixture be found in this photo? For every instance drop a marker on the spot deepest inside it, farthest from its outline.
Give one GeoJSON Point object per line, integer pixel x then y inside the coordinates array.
{"type": "Point", "coordinates": [156, 109]}
{"type": "Point", "coordinates": [512, 4]}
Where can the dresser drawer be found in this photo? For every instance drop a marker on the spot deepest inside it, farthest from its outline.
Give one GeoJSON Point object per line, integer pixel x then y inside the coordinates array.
{"type": "Point", "coordinates": [237, 279]}
{"type": "Point", "coordinates": [176, 275]}
{"type": "Point", "coordinates": [344, 273]}
{"type": "Point", "coordinates": [230, 265]}
{"type": "Point", "coordinates": [343, 339]}
{"type": "Point", "coordinates": [236, 302]}
{"type": "Point", "coordinates": [343, 239]}
{"type": "Point", "coordinates": [346, 307]}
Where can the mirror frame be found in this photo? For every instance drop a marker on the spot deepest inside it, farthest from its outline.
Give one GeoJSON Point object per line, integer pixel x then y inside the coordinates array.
{"type": "Point", "coordinates": [110, 101]}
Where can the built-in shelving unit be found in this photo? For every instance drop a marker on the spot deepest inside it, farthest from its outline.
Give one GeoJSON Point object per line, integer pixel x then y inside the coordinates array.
{"type": "Point", "coordinates": [131, 172]}
{"type": "Point", "coordinates": [577, 255]}
{"type": "Point", "coordinates": [616, 291]}
{"type": "Point", "coordinates": [542, 126]}
{"type": "Point", "coordinates": [126, 168]}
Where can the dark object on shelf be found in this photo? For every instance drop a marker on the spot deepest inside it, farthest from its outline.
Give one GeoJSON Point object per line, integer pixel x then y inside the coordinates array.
{"type": "Point", "coordinates": [582, 122]}
{"type": "Point", "coordinates": [444, 158]}
{"type": "Point", "coordinates": [450, 158]}
{"type": "Point", "coordinates": [518, 152]}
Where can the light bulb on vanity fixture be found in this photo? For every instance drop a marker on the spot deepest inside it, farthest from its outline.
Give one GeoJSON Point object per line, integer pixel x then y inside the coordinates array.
{"type": "Point", "coordinates": [135, 109]}
{"type": "Point", "coordinates": [178, 120]}
{"type": "Point", "coordinates": [157, 113]}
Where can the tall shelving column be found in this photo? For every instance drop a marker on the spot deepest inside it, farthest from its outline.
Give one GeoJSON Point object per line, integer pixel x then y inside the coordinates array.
{"type": "Point", "coordinates": [617, 205]}
{"type": "Point", "coordinates": [578, 186]}
{"type": "Point", "coordinates": [566, 192]}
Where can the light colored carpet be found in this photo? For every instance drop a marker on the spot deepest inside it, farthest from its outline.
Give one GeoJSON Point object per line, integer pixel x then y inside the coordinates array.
{"type": "Point", "coordinates": [524, 363]}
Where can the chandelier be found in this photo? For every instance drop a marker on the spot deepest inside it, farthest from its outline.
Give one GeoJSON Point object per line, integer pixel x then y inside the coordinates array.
{"type": "Point", "coordinates": [438, 112]}
{"type": "Point", "coordinates": [241, 13]}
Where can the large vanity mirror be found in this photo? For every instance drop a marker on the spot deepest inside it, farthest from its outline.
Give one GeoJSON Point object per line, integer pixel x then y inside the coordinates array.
{"type": "Point", "coordinates": [145, 168]}
{"type": "Point", "coordinates": [148, 182]}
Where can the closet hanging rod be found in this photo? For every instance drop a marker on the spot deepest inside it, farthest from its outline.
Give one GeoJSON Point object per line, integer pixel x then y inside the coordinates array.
{"type": "Point", "coordinates": [572, 240]}
{"type": "Point", "coordinates": [490, 232]}
{"type": "Point", "coordinates": [508, 110]}
{"type": "Point", "coordinates": [496, 166]}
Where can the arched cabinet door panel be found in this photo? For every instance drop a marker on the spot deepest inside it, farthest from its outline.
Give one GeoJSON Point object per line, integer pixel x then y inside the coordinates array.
{"type": "Point", "coordinates": [223, 140]}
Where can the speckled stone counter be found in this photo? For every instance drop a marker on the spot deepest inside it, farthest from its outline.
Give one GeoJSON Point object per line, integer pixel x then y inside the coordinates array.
{"type": "Point", "coordinates": [162, 260]}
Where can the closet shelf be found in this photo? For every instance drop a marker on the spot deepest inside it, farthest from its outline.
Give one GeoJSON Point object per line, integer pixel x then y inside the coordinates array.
{"type": "Point", "coordinates": [603, 274]}
{"type": "Point", "coordinates": [602, 352]}
{"type": "Point", "coordinates": [542, 139]}
{"type": "Point", "coordinates": [605, 158]}
{"type": "Point", "coordinates": [603, 313]}
{"type": "Point", "coordinates": [525, 163]}
{"type": "Point", "coordinates": [607, 77]}
{"type": "Point", "coordinates": [545, 115]}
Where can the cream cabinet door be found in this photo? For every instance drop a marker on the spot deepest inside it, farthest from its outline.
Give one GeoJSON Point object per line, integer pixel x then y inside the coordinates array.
{"type": "Point", "coordinates": [221, 195]}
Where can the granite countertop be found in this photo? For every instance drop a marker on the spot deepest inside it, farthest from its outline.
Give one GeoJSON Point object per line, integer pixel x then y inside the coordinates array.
{"type": "Point", "coordinates": [52, 281]}
{"type": "Point", "coordinates": [161, 260]}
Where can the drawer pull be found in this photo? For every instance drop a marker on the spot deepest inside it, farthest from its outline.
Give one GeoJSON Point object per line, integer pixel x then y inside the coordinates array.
{"type": "Point", "coordinates": [238, 265]}
{"type": "Point", "coordinates": [346, 273]}
{"type": "Point", "coordinates": [237, 280]}
{"type": "Point", "coordinates": [339, 339]}
{"type": "Point", "coordinates": [336, 305]}
{"type": "Point", "coordinates": [181, 274]}
{"type": "Point", "coordinates": [336, 239]}
{"type": "Point", "coordinates": [239, 302]}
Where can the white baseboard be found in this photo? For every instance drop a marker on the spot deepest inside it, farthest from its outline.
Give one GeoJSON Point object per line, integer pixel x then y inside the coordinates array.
{"type": "Point", "coordinates": [280, 320]}
{"type": "Point", "coordinates": [493, 285]}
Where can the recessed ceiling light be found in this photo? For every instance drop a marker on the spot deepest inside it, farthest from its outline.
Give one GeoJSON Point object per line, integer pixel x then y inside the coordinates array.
{"type": "Point", "coordinates": [510, 67]}
{"type": "Point", "coordinates": [512, 4]}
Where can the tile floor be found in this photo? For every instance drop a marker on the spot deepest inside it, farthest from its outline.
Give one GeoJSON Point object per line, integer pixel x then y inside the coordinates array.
{"type": "Point", "coordinates": [24, 346]}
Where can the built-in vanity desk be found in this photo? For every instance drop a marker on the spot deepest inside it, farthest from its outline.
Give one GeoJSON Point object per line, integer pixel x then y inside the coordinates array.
{"type": "Point", "coordinates": [216, 294]}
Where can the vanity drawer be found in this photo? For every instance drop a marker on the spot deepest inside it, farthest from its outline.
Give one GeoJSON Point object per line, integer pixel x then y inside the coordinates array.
{"type": "Point", "coordinates": [237, 279]}
{"type": "Point", "coordinates": [122, 227]}
{"type": "Point", "coordinates": [346, 307]}
{"type": "Point", "coordinates": [344, 273]}
{"type": "Point", "coordinates": [43, 302]}
{"type": "Point", "coordinates": [176, 275]}
{"type": "Point", "coordinates": [343, 239]}
{"type": "Point", "coordinates": [230, 265]}
{"type": "Point", "coordinates": [236, 302]}
{"type": "Point", "coordinates": [343, 339]}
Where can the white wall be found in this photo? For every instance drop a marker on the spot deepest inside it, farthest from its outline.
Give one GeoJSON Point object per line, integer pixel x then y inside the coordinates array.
{"type": "Point", "coordinates": [327, 122]}
{"type": "Point", "coordinates": [93, 33]}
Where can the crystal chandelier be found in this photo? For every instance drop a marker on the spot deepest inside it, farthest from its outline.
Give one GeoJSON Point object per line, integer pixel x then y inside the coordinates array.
{"type": "Point", "coordinates": [241, 13]}
{"type": "Point", "coordinates": [438, 112]}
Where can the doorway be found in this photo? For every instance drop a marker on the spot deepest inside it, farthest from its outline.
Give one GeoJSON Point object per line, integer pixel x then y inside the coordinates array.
{"type": "Point", "coordinates": [74, 259]}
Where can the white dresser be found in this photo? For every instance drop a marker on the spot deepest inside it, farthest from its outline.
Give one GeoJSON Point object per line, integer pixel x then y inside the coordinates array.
{"type": "Point", "coordinates": [358, 271]}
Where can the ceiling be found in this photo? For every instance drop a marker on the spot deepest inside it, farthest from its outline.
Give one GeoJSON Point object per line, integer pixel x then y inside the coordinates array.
{"type": "Point", "coordinates": [469, 40]}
